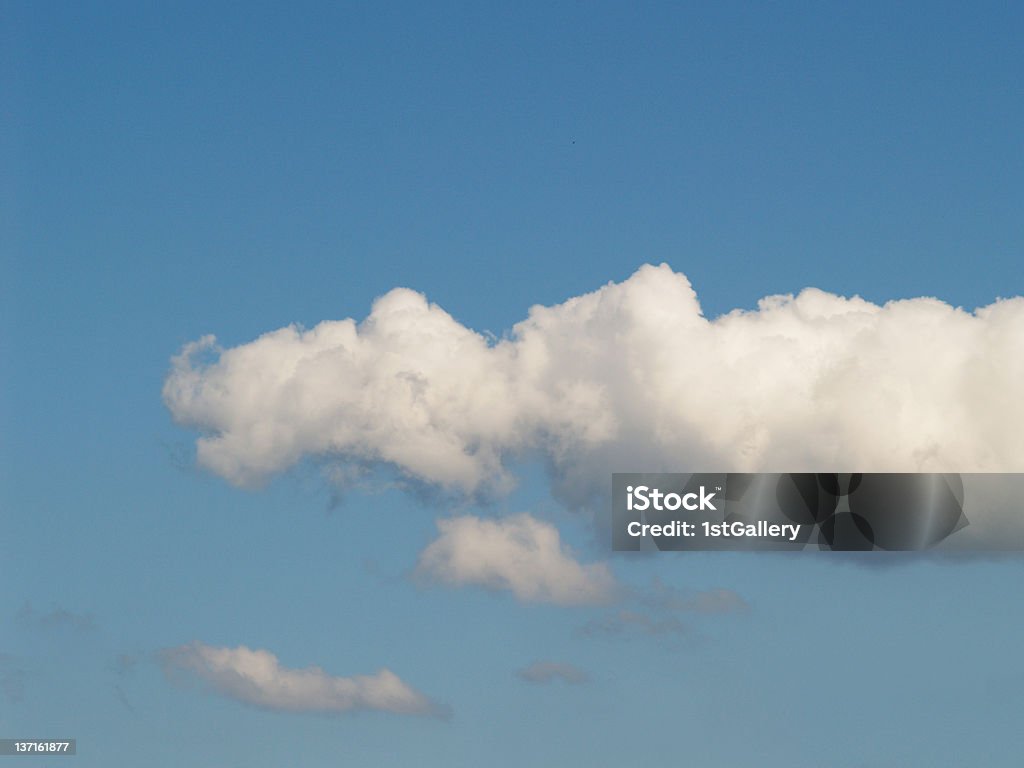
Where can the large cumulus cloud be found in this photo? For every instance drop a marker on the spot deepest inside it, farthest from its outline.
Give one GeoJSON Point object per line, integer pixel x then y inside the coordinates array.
{"type": "Point", "coordinates": [629, 377]}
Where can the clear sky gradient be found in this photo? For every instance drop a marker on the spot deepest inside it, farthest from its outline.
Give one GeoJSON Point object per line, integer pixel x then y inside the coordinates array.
{"type": "Point", "coordinates": [233, 168]}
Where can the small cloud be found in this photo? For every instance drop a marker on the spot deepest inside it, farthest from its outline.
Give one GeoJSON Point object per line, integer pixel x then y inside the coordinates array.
{"type": "Point", "coordinates": [663, 597]}
{"type": "Point", "coordinates": [520, 554]}
{"type": "Point", "coordinates": [655, 610]}
{"type": "Point", "coordinates": [548, 671]}
{"type": "Point", "coordinates": [256, 678]}
{"type": "Point", "coordinates": [625, 621]}
{"type": "Point", "coordinates": [56, 619]}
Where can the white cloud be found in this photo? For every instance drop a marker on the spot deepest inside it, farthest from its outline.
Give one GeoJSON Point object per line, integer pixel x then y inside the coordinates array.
{"type": "Point", "coordinates": [256, 677]}
{"type": "Point", "coordinates": [629, 377]}
{"type": "Point", "coordinates": [519, 554]}
{"type": "Point", "coordinates": [549, 671]}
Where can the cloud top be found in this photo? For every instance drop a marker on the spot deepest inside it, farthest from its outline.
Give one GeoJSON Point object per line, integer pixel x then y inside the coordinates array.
{"type": "Point", "coordinates": [255, 677]}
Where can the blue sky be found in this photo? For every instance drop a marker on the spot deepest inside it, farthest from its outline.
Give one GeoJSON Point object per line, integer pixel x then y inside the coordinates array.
{"type": "Point", "coordinates": [234, 169]}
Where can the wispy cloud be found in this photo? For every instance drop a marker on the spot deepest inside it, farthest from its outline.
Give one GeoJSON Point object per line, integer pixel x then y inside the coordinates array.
{"type": "Point", "coordinates": [550, 671]}
{"type": "Point", "coordinates": [255, 677]}
{"type": "Point", "coordinates": [56, 618]}
{"type": "Point", "coordinates": [657, 610]}
{"type": "Point", "coordinates": [121, 697]}
{"type": "Point", "coordinates": [125, 663]}
{"type": "Point", "coordinates": [666, 598]}
{"type": "Point", "coordinates": [625, 621]}
{"type": "Point", "coordinates": [12, 679]}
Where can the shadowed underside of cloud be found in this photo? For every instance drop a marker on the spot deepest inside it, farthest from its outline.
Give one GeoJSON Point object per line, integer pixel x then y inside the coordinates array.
{"type": "Point", "coordinates": [629, 377]}
{"type": "Point", "coordinates": [255, 677]}
{"type": "Point", "coordinates": [518, 553]}
{"type": "Point", "coordinates": [550, 671]}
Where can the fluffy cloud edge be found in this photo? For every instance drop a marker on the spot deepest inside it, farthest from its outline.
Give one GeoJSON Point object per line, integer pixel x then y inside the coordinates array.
{"type": "Point", "coordinates": [630, 376]}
